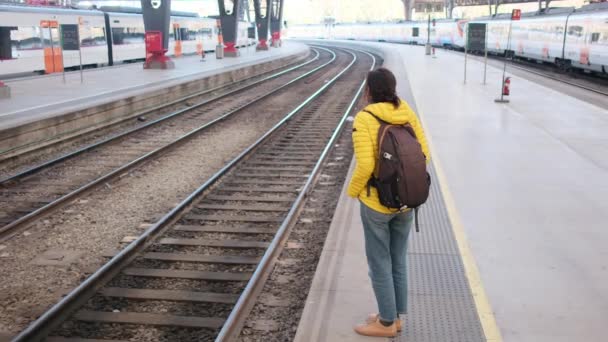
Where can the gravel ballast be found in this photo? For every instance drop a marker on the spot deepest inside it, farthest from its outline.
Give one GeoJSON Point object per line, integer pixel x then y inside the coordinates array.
{"type": "Point", "coordinates": [98, 222]}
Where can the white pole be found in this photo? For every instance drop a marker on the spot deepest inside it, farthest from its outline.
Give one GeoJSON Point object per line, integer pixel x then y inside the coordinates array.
{"type": "Point", "coordinates": [465, 62]}
{"type": "Point", "coordinates": [80, 50]}
{"type": "Point", "coordinates": [80, 56]}
{"type": "Point", "coordinates": [63, 66]}
{"type": "Point", "coordinates": [485, 58]}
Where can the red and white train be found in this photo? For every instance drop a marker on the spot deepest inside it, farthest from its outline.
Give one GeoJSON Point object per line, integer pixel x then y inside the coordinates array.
{"type": "Point", "coordinates": [106, 37]}
{"type": "Point", "coordinates": [562, 36]}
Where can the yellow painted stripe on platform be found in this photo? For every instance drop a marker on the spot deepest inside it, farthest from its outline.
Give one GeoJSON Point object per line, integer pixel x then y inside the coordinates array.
{"type": "Point", "coordinates": [482, 303]}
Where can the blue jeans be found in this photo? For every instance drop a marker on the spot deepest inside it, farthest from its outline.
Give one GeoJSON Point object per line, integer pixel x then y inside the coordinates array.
{"type": "Point", "coordinates": [386, 247]}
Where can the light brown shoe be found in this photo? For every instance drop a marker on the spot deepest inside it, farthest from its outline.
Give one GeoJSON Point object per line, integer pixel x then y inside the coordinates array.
{"type": "Point", "coordinates": [375, 317]}
{"type": "Point", "coordinates": [376, 329]}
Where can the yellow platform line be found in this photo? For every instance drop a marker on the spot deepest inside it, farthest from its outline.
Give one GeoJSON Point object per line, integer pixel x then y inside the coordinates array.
{"type": "Point", "coordinates": [482, 303]}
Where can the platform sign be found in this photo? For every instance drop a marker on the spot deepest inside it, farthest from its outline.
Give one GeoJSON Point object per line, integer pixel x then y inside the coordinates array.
{"type": "Point", "coordinates": [70, 40]}
{"type": "Point", "coordinates": [516, 14]}
{"type": "Point", "coordinates": [476, 37]}
{"type": "Point", "coordinates": [48, 23]}
{"type": "Point", "coordinates": [154, 41]}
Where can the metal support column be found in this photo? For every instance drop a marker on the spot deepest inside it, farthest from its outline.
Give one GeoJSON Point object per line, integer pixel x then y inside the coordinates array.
{"type": "Point", "coordinates": [276, 21]}
{"type": "Point", "coordinates": [262, 20]}
{"type": "Point", "coordinates": [229, 22]}
{"type": "Point", "coordinates": [450, 8]}
{"type": "Point", "coordinates": [157, 16]}
{"type": "Point", "coordinates": [408, 7]}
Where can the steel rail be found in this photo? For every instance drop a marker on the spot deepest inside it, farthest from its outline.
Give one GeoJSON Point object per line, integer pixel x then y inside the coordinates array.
{"type": "Point", "coordinates": [174, 102]}
{"type": "Point", "coordinates": [235, 321]}
{"type": "Point", "coordinates": [555, 78]}
{"type": "Point", "coordinates": [41, 327]}
{"type": "Point", "coordinates": [530, 69]}
{"type": "Point", "coordinates": [52, 162]}
{"type": "Point", "coordinates": [10, 229]}
{"type": "Point", "coordinates": [515, 65]}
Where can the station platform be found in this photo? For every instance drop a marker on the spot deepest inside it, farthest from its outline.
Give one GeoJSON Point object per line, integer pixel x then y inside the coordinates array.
{"type": "Point", "coordinates": [49, 101]}
{"type": "Point", "coordinates": [512, 240]}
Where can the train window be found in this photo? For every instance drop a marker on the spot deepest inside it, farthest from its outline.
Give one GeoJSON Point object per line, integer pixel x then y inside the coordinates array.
{"type": "Point", "coordinates": [415, 31]}
{"type": "Point", "coordinates": [595, 37]}
{"type": "Point", "coordinates": [27, 38]}
{"type": "Point", "coordinates": [92, 36]}
{"type": "Point", "coordinates": [186, 34]}
{"type": "Point", "coordinates": [6, 44]}
{"type": "Point", "coordinates": [206, 32]}
{"type": "Point", "coordinates": [192, 34]}
{"type": "Point", "coordinates": [118, 35]}
{"type": "Point", "coordinates": [604, 37]}
{"type": "Point", "coordinates": [134, 35]}
{"type": "Point", "coordinates": [576, 31]}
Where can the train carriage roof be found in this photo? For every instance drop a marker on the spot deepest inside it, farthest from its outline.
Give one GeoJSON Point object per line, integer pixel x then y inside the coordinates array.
{"type": "Point", "coordinates": [85, 12]}
{"type": "Point", "coordinates": [135, 10]}
{"type": "Point", "coordinates": [49, 10]}
{"type": "Point", "coordinates": [552, 11]}
{"type": "Point", "coordinates": [598, 6]}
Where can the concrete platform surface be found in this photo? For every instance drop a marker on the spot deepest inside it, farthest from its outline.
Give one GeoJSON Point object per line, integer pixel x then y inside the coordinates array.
{"type": "Point", "coordinates": [36, 98]}
{"type": "Point", "coordinates": [527, 182]}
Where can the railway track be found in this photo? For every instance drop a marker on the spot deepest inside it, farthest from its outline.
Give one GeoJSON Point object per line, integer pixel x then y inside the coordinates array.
{"type": "Point", "coordinates": [40, 190]}
{"type": "Point", "coordinates": [598, 89]}
{"type": "Point", "coordinates": [195, 274]}
{"type": "Point", "coordinates": [13, 162]}
{"type": "Point", "coordinates": [586, 83]}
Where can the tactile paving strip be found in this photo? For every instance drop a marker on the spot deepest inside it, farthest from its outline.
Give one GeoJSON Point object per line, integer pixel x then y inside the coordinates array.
{"type": "Point", "coordinates": [441, 307]}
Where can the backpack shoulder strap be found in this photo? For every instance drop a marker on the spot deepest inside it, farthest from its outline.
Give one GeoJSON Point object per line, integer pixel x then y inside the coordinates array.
{"type": "Point", "coordinates": [374, 115]}
{"type": "Point", "coordinates": [381, 132]}
{"type": "Point", "coordinates": [416, 219]}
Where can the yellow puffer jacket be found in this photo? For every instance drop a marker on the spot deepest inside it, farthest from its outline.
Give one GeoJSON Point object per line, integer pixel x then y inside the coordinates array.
{"type": "Point", "coordinates": [365, 141]}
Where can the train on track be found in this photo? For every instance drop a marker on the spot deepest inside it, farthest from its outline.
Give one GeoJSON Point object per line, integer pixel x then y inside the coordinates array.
{"type": "Point", "coordinates": [29, 35]}
{"type": "Point", "coordinates": [566, 37]}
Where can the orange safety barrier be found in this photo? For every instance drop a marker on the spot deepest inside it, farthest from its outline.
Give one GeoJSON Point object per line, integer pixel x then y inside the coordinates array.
{"type": "Point", "coordinates": [584, 56]}
{"type": "Point", "coordinates": [178, 48]}
{"type": "Point", "coordinates": [52, 60]}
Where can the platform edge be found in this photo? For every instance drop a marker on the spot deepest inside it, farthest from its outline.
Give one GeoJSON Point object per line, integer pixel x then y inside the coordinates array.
{"type": "Point", "coordinates": [482, 303]}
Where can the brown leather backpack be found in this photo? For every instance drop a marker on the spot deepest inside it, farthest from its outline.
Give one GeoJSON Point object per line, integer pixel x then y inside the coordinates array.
{"type": "Point", "coordinates": [400, 173]}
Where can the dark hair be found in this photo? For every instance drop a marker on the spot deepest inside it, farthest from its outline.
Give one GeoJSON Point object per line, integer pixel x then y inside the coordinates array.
{"type": "Point", "coordinates": [381, 85]}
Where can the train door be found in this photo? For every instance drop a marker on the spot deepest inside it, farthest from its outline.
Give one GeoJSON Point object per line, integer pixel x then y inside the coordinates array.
{"type": "Point", "coordinates": [52, 46]}
{"type": "Point", "coordinates": [415, 34]}
{"type": "Point", "coordinates": [6, 47]}
{"type": "Point", "coordinates": [177, 35]}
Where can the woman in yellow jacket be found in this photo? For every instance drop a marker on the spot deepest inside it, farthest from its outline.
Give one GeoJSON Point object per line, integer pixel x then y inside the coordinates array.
{"type": "Point", "coordinates": [386, 230]}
